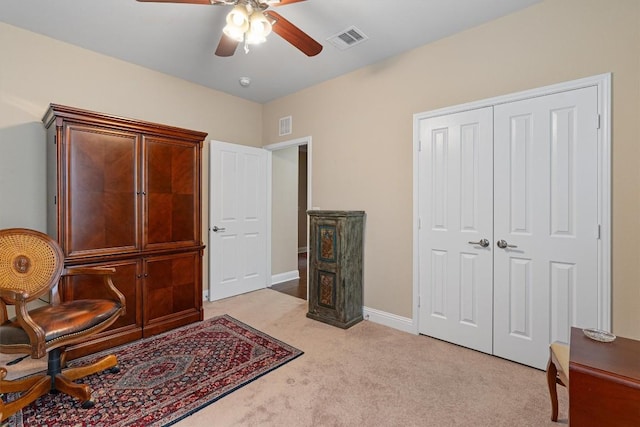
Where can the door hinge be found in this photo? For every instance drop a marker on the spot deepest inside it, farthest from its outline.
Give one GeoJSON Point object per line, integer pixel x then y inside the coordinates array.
{"type": "Point", "coordinates": [55, 200]}
{"type": "Point", "coordinates": [419, 301]}
{"type": "Point", "coordinates": [55, 139]}
{"type": "Point", "coordinates": [420, 145]}
{"type": "Point", "coordinates": [598, 122]}
{"type": "Point", "coordinates": [419, 223]}
{"type": "Point", "coordinates": [598, 232]}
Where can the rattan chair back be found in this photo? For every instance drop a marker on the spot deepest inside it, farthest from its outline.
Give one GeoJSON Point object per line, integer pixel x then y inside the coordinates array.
{"type": "Point", "coordinates": [31, 262]}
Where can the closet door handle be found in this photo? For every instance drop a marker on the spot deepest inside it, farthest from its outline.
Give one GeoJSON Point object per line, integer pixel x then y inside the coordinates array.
{"type": "Point", "coordinates": [216, 229]}
{"type": "Point", "coordinates": [502, 244]}
{"type": "Point", "coordinates": [482, 242]}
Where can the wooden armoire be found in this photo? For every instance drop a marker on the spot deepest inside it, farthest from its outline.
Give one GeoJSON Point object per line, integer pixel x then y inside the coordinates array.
{"type": "Point", "coordinates": [126, 194]}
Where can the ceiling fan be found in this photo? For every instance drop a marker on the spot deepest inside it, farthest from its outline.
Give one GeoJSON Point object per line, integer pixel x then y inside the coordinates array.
{"type": "Point", "coordinates": [250, 21]}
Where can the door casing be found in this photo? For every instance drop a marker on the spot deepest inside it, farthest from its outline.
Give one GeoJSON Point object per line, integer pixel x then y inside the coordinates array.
{"type": "Point", "coordinates": [306, 140]}
{"type": "Point", "coordinates": [603, 84]}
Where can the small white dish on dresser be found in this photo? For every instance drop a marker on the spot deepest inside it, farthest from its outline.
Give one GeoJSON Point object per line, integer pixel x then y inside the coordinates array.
{"type": "Point", "coordinates": [599, 335]}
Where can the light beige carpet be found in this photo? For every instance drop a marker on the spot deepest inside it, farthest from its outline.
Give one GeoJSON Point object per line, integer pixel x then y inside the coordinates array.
{"type": "Point", "coordinates": [371, 375]}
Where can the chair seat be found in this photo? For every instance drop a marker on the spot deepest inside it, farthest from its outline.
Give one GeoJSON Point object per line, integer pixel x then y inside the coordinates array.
{"type": "Point", "coordinates": [561, 353]}
{"type": "Point", "coordinates": [60, 320]}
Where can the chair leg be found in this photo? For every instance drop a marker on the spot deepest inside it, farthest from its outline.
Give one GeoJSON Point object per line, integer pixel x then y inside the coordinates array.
{"type": "Point", "coordinates": [63, 378]}
{"type": "Point", "coordinates": [105, 363]}
{"type": "Point", "coordinates": [58, 379]}
{"type": "Point", "coordinates": [552, 373]}
{"type": "Point", "coordinates": [33, 389]}
{"type": "Point", "coordinates": [67, 386]}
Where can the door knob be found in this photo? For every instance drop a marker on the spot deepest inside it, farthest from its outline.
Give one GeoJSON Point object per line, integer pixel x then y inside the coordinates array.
{"type": "Point", "coordinates": [482, 242]}
{"type": "Point", "coordinates": [216, 229]}
{"type": "Point", "coordinates": [502, 244]}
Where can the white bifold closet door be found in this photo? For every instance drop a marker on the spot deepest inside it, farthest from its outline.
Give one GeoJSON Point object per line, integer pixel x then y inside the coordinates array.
{"type": "Point", "coordinates": [524, 176]}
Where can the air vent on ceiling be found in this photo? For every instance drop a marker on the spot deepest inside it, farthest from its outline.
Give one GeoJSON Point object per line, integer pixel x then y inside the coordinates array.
{"type": "Point", "coordinates": [285, 126]}
{"type": "Point", "coordinates": [347, 38]}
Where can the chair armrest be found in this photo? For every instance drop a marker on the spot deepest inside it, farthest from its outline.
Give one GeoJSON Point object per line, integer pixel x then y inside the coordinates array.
{"type": "Point", "coordinates": [9, 297]}
{"type": "Point", "coordinates": [12, 297]}
{"type": "Point", "coordinates": [34, 331]}
{"type": "Point", "coordinates": [106, 272]}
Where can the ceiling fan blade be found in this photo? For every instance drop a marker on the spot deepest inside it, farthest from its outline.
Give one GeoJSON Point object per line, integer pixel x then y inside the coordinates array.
{"type": "Point", "coordinates": [284, 2]}
{"type": "Point", "coordinates": [294, 35]}
{"type": "Point", "coordinates": [184, 1]}
{"type": "Point", "coordinates": [227, 46]}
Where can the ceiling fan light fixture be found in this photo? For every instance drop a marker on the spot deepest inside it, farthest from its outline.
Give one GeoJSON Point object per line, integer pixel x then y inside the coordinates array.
{"type": "Point", "coordinates": [237, 23]}
{"type": "Point", "coordinates": [255, 38]}
{"type": "Point", "coordinates": [238, 17]}
{"type": "Point", "coordinates": [259, 28]}
{"type": "Point", "coordinates": [234, 33]}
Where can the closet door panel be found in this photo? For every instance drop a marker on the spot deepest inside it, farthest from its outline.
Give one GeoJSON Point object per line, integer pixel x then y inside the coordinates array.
{"type": "Point", "coordinates": [546, 210]}
{"type": "Point", "coordinates": [456, 196]}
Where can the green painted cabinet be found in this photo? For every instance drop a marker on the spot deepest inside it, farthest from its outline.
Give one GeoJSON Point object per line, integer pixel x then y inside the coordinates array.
{"type": "Point", "coordinates": [335, 267]}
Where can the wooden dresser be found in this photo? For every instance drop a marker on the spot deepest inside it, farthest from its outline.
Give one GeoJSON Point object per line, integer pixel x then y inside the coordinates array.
{"type": "Point", "coordinates": [604, 382]}
{"type": "Point", "coordinates": [125, 193]}
{"type": "Point", "coordinates": [335, 267]}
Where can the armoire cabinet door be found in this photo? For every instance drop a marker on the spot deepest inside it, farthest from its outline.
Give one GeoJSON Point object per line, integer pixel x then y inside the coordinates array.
{"type": "Point", "coordinates": [172, 291]}
{"type": "Point", "coordinates": [128, 279]}
{"type": "Point", "coordinates": [326, 298]}
{"type": "Point", "coordinates": [101, 185]}
{"type": "Point", "coordinates": [171, 189]}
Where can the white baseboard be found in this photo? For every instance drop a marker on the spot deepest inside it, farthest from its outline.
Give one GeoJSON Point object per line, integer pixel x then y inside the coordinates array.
{"type": "Point", "coordinates": [285, 277]}
{"type": "Point", "coordinates": [394, 321]}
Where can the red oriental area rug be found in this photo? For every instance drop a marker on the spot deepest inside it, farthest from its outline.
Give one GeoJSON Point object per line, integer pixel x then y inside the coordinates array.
{"type": "Point", "coordinates": [165, 378]}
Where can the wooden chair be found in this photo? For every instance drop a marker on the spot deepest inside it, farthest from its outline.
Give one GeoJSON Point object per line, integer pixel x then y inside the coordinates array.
{"type": "Point", "coordinates": [31, 265]}
{"type": "Point", "coordinates": [557, 373]}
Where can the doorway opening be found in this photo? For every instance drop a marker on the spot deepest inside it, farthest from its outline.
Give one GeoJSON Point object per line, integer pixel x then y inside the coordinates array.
{"type": "Point", "coordinates": [296, 287]}
{"type": "Point", "coordinates": [290, 199]}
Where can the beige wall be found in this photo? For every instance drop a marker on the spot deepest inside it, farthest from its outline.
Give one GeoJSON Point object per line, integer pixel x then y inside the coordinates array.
{"type": "Point", "coordinates": [284, 211]}
{"type": "Point", "coordinates": [361, 125]}
{"type": "Point", "coordinates": [36, 71]}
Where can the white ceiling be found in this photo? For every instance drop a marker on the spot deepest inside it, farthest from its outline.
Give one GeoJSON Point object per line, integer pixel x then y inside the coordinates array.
{"type": "Point", "coordinates": [179, 39]}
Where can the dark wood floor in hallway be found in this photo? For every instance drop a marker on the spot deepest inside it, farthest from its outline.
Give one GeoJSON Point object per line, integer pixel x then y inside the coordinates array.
{"type": "Point", "coordinates": [297, 287]}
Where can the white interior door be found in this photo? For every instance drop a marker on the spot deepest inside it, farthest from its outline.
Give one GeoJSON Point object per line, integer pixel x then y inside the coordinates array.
{"type": "Point", "coordinates": [456, 205]}
{"type": "Point", "coordinates": [238, 220]}
{"type": "Point", "coordinates": [546, 210]}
